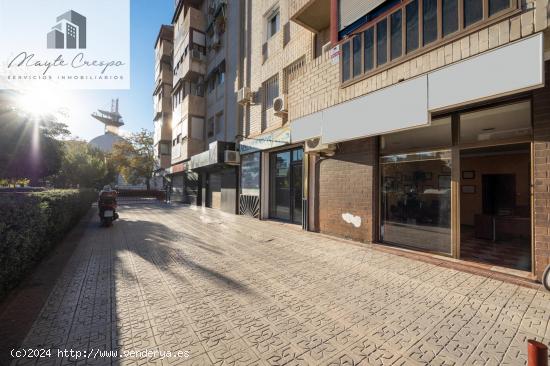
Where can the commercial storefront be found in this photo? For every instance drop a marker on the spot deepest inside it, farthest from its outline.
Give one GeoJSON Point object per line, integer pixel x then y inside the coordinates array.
{"type": "Point", "coordinates": [272, 178]}
{"type": "Point", "coordinates": [452, 162]}
{"type": "Point", "coordinates": [216, 180]}
{"type": "Point", "coordinates": [206, 180]}
{"type": "Point", "coordinates": [462, 186]}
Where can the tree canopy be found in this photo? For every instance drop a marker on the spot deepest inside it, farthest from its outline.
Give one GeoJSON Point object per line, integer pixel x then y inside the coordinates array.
{"type": "Point", "coordinates": [83, 166]}
{"type": "Point", "coordinates": [134, 157]}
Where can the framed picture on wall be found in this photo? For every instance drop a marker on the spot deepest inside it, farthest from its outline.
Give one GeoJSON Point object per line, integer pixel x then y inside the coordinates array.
{"type": "Point", "coordinates": [469, 189]}
{"type": "Point", "coordinates": [444, 182]}
{"type": "Point", "coordinates": [468, 174]}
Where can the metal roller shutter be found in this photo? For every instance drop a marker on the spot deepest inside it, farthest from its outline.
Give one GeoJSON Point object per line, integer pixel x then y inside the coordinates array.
{"type": "Point", "coordinates": [351, 10]}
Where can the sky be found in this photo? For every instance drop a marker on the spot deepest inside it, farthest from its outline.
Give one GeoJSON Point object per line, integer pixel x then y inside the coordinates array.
{"type": "Point", "coordinates": [136, 104]}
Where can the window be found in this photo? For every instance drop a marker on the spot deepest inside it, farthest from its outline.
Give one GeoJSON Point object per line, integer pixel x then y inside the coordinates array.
{"type": "Point", "coordinates": [429, 21]}
{"type": "Point", "coordinates": [210, 131]}
{"type": "Point", "coordinates": [473, 12]}
{"type": "Point", "coordinates": [449, 16]}
{"type": "Point", "coordinates": [273, 22]}
{"type": "Point", "coordinates": [412, 26]}
{"type": "Point", "coordinates": [356, 56]}
{"type": "Point", "coordinates": [345, 62]}
{"type": "Point", "coordinates": [368, 42]}
{"type": "Point", "coordinates": [502, 122]}
{"type": "Point", "coordinates": [164, 148]}
{"type": "Point", "coordinates": [387, 37]}
{"type": "Point", "coordinates": [271, 91]}
{"type": "Point", "coordinates": [396, 34]}
{"type": "Point", "coordinates": [496, 6]}
{"type": "Point", "coordinates": [219, 120]}
{"type": "Point", "coordinates": [291, 70]}
{"type": "Point", "coordinates": [382, 42]}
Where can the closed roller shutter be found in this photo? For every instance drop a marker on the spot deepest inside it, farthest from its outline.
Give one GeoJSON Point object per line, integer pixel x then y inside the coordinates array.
{"type": "Point", "coordinates": [351, 10]}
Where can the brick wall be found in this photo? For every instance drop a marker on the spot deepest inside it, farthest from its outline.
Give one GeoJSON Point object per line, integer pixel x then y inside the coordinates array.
{"type": "Point", "coordinates": [347, 186]}
{"type": "Point", "coordinates": [318, 87]}
{"type": "Point", "coordinates": [541, 117]}
{"type": "Point", "coordinates": [280, 55]}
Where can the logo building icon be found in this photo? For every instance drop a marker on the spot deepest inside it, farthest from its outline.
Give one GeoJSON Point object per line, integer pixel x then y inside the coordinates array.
{"type": "Point", "coordinates": [70, 31]}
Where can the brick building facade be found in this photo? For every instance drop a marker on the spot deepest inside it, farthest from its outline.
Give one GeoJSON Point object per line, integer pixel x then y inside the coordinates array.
{"type": "Point", "coordinates": [387, 122]}
{"type": "Point", "coordinates": [541, 188]}
{"type": "Point", "coordinates": [346, 198]}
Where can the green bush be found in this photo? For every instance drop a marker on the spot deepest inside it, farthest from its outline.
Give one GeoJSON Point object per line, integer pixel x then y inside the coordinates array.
{"type": "Point", "coordinates": [31, 223]}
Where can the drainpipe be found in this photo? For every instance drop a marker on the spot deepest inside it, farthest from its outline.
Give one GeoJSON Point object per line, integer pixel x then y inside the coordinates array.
{"type": "Point", "coordinates": [333, 22]}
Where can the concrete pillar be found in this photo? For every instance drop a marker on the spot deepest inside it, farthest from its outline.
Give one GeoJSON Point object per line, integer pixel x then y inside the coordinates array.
{"type": "Point", "coordinates": [333, 22]}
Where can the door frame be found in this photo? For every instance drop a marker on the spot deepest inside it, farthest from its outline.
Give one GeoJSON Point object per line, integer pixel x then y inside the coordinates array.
{"type": "Point", "coordinates": [269, 177]}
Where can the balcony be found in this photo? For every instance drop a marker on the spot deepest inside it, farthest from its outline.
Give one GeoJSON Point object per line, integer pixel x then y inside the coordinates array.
{"type": "Point", "coordinates": [194, 19]}
{"type": "Point", "coordinates": [162, 101]}
{"type": "Point", "coordinates": [311, 14]}
{"type": "Point", "coordinates": [164, 52]}
{"type": "Point", "coordinates": [193, 105]}
{"type": "Point", "coordinates": [163, 75]}
{"type": "Point", "coordinates": [194, 62]}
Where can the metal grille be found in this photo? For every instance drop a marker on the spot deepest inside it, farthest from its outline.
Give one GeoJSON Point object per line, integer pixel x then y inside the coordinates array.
{"type": "Point", "coordinates": [249, 205]}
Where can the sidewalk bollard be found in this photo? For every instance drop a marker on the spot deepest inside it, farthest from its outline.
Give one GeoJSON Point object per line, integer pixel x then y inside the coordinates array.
{"type": "Point", "coordinates": [537, 353]}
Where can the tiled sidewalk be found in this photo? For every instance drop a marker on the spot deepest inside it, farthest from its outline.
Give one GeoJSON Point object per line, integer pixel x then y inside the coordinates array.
{"type": "Point", "coordinates": [229, 290]}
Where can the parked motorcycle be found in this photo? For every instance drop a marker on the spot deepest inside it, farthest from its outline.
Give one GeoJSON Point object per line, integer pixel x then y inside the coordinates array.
{"type": "Point", "coordinates": [107, 205]}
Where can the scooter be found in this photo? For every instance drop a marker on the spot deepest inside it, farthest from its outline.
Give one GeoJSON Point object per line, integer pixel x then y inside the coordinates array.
{"type": "Point", "coordinates": [107, 205]}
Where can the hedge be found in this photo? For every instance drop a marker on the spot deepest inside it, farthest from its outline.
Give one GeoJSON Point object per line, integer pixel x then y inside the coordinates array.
{"type": "Point", "coordinates": [31, 223]}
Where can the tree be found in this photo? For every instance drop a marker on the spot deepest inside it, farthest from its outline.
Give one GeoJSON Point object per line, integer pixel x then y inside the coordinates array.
{"type": "Point", "coordinates": [134, 157]}
{"type": "Point", "coordinates": [84, 166]}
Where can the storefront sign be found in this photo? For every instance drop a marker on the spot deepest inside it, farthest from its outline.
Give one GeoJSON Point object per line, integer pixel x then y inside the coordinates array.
{"type": "Point", "coordinates": [178, 168]}
{"type": "Point", "coordinates": [265, 142]}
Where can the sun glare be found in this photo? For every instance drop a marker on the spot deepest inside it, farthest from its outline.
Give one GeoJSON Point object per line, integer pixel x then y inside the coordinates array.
{"type": "Point", "coordinates": [41, 103]}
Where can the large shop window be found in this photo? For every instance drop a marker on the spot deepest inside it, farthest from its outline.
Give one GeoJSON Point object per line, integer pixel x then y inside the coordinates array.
{"type": "Point", "coordinates": [416, 200]}
{"type": "Point", "coordinates": [416, 188]}
{"type": "Point", "coordinates": [391, 37]}
{"type": "Point", "coordinates": [250, 174]}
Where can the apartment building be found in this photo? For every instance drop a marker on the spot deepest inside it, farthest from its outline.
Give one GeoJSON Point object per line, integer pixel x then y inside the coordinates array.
{"type": "Point", "coordinates": [203, 166]}
{"type": "Point", "coordinates": [274, 49]}
{"type": "Point", "coordinates": [417, 124]}
{"type": "Point", "coordinates": [162, 99]}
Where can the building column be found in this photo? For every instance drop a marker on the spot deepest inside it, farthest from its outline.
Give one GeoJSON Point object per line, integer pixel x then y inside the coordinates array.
{"type": "Point", "coordinates": [541, 170]}
{"type": "Point", "coordinates": [333, 22]}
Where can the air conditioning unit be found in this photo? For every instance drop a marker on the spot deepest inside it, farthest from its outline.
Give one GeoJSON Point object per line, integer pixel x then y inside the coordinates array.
{"type": "Point", "coordinates": [244, 96]}
{"type": "Point", "coordinates": [232, 157]}
{"type": "Point", "coordinates": [280, 106]}
{"type": "Point", "coordinates": [216, 41]}
{"type": "Point", "coordinates": [314, 146]}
